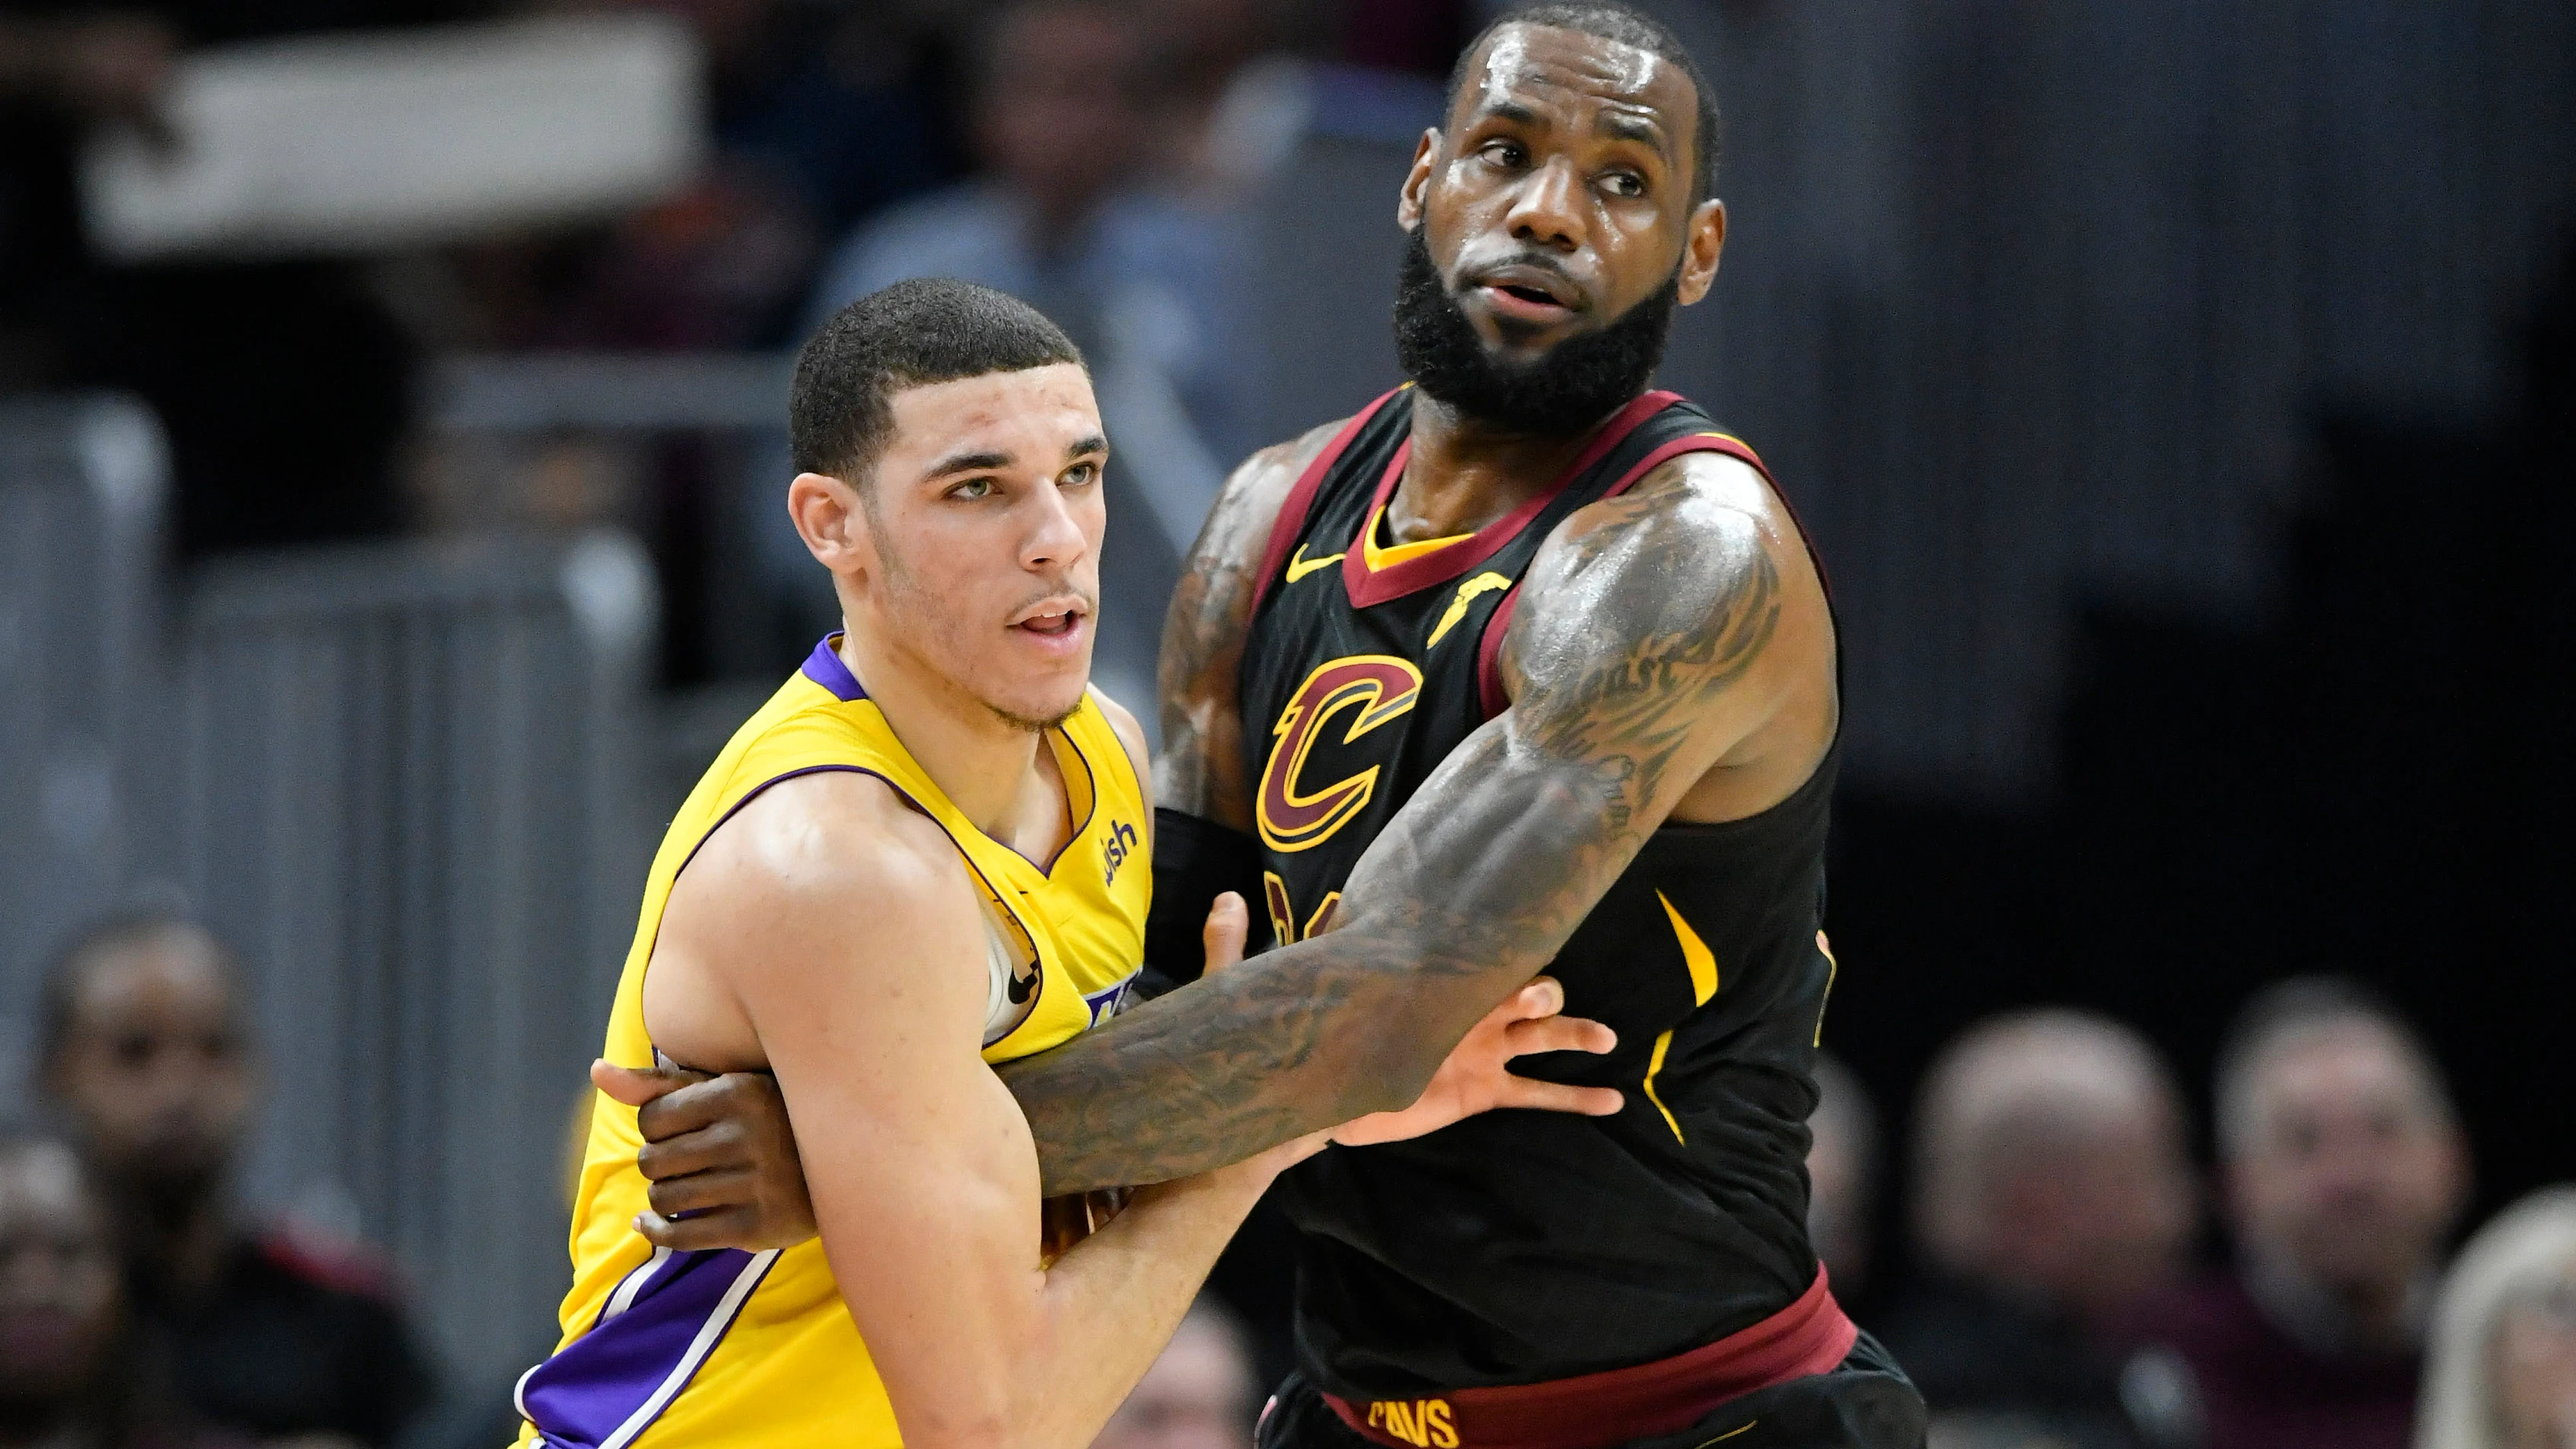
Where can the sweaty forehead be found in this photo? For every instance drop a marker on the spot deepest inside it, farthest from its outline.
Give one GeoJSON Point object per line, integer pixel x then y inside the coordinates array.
{"type": "Point", "coordinates": [1545, 65]}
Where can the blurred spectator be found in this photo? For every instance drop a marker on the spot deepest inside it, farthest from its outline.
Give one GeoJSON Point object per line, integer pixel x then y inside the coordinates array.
{"type": "Point", "coordinates": [1197, 1395]}
{"type": "Point", "coordinates": [1842, 1175]}
{"type": "Point", "coordinates": [1230, 104]}
{"type": "Point", "coordinates": [144, 1048]}
{"type": "Point", "coordinates": [822, 115]}
{"type": "Point", "coordinates": [2344, 1170]}
{"type": "Point", "coordinates": [1065, 217]}
{"type": "Point", "coordinates": [2052, 1196]}
{"type": "Point", "coordinates": [284, 387]}
{"type": "Point", "coordinates": [69, 1378]}
{"type": "Point", "coordinates": [2502, 1371]}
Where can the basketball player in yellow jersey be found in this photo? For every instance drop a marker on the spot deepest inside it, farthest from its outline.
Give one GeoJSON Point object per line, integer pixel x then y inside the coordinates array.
{"type": "Point", "coordinates": [922, 856]}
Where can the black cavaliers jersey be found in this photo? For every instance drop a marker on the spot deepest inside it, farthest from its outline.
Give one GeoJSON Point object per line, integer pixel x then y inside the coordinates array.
{"type": "Point", "coordinates": [1519, 1247]}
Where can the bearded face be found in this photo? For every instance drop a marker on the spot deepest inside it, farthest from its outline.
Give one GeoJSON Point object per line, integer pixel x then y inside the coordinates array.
{"type": "Point", "coordinates": [1561, 391]}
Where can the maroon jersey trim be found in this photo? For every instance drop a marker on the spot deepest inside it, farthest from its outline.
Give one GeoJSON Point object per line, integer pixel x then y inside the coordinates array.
{"type": "Point", "coordinates": [1366, 586]}
{"type": "Point", "coordinates": [1489, 650]}
{"type": "Point", "coordinates": [1301, 500]}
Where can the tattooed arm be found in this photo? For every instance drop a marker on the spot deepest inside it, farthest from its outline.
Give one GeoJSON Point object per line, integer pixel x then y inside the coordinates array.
{"type": "Point", "coordinates": [1201, 768]}
{"type": "Point", "coordinates": [1659, 637]}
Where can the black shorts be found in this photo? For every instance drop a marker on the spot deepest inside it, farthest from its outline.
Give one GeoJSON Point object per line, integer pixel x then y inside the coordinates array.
{"type": "Point", "coordinates": [1868, 1403]}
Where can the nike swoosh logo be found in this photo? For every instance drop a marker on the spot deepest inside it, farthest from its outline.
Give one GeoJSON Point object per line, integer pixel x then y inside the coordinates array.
{"type": "Point", "coordinates": [1299, 565]}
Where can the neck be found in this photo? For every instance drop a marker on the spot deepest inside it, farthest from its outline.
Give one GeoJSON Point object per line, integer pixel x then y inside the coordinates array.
{"type": "Point", "coordinates": [1466, 472]}
{"type": "Point", "coordinates": [178, 1238]}
{"type": "Point", "coordinates": [984, 764]}
{"type": "Point", "coordinates": [2333, 1320]}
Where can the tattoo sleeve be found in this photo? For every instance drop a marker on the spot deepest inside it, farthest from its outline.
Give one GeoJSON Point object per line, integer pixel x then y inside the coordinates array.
{"type": "Point", "coordinates": [1637, 658]}
{"type": "Point", "coordinates": [1200, 769]}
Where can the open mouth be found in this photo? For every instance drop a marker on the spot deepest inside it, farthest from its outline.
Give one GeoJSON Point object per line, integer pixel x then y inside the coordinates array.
{"type": "Point", "coordinates": [1057, 624]}
{"type": "Point", "coordinates": [1529, 294]}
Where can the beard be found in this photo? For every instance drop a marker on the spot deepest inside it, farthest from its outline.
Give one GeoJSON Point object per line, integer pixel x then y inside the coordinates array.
{"type": "Point", "coordinates": [1563, 391]}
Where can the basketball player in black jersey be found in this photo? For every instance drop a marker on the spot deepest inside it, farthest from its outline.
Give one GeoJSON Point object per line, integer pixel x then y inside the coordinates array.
{"type": "Point", "coordinates": [1526, 667]}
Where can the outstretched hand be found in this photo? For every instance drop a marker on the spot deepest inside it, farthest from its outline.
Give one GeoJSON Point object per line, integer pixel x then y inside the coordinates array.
{"type": "Point", "coordinates": [1477, 1076]}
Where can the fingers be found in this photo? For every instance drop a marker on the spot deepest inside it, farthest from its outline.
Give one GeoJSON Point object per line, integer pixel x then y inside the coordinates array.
{"type": "Point", "coordinates": [719, 1145]}
{"type": "Point", "coordinates": [1229, 921]}
{"type": "Point", "coordinates": [1544, 996]}
{"type": "Point", "coordinates": [703, 1101]}
{"type": "Point", "coordinates": [723, 1228]}
{"type": "Point", "coordinates": [636, 1086]}
{"type": "Point", "coordinates": [1558, 1034]}
{"type": "Point", "coordinates": [699, 1192]}
{"type": "Point", "coordinates": [1559, 1097]}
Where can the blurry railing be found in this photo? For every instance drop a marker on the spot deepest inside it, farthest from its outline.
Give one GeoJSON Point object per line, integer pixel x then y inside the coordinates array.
{"type": "Point", "coordinates": [406, 781]}
{"type": "Point", "coordinates": [82, 492]}
{"type": "Point", "coordinates": [412, 804]}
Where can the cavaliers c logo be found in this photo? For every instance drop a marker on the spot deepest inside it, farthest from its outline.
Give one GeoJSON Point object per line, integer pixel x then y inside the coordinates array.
{"type": "Point", "coordinates": [1380, 687]}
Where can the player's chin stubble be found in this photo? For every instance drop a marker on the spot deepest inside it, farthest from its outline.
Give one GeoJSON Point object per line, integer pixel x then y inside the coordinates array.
{"type": "Point", "coordinates": [932, 630]}
{"type": "Point", "coordinates": [1568, 388]}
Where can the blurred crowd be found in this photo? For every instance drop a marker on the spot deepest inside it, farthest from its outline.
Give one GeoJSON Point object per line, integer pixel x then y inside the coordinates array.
{"type": "Point", "coordinates": [2054, 1290]}
{"type": "Point", "coordinates": [2061, 1255]}
{"type": "Point", "coordinates": [1092, 156]}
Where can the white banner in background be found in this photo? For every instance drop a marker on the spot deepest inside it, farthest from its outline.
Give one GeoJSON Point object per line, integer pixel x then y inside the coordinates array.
{"type": "Point", "coordinates": [341, 144]}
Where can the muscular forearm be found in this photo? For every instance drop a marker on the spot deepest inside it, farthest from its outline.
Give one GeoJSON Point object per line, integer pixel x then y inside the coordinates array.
{"type": "Point", "coordinates": [1113, 1302]}
{"type": "Point", "coordinates": [1351, 1022]}
{"type": "Point", "coordinates": [1281, 1046]}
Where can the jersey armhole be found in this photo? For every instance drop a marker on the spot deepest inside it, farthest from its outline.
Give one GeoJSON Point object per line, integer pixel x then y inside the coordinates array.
{"type": "Point", "coordinates": [1291, 521]}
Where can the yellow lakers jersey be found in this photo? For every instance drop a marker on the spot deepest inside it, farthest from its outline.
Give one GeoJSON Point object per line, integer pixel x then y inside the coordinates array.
{"type": "Point", "coordinates": [730, 1348]}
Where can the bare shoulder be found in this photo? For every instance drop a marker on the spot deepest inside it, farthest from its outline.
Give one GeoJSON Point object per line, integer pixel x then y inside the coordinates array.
{"type": "Point", "coordinates": [1698, 538]}
{"type": "Point", "coordinates": [1713, 497]}
{"type": "Point", "coordinates": [1257, 489]}
{"type": "Point", "coordinates": [822, 852]}
{"type": "Point", "coordinates": [1203, 630]}
{"type": "Point", "coordinates": [1693, 584]}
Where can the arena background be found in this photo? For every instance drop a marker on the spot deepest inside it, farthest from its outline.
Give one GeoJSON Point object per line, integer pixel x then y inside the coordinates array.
{"type": "Point", "coordinates": [2183, 396]}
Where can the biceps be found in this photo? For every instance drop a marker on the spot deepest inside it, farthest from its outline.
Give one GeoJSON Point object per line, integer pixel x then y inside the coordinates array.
{"type": "Point", "coordinates": [1502, 851]}
{"type": "Point", "coordinates": [926, 1192]}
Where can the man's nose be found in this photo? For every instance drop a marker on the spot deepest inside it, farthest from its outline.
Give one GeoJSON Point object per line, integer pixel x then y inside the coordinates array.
{"type": "Point", "coordinates": [1547, 207]}
{"type": "Point", "coordinates": [1055, 539]}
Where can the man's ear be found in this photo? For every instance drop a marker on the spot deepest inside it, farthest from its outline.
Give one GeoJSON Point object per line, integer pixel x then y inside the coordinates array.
{"type": "Point", "coordinates": [1703, 240]}
{"type": "Point", "coordinates": [831, 520]}
{"type": "Point", "coordinates": [1408, 202]}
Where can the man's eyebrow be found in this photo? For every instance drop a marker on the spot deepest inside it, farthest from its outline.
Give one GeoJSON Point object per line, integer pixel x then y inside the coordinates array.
{"type": "Point", "coordinates": [966, 463]}
{"type": "Point", "coordinates": [1512, 111]}
{"type": "Point", "coordinates": [1093, 444]}
{"type": "Point", "coordinates": [1634, 128]}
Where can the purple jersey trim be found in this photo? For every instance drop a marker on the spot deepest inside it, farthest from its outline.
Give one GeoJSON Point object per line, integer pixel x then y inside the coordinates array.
{"type": "Point", "coordinates": [607, 1386]}
{"type": "Point", "coordinates": [825, 668]}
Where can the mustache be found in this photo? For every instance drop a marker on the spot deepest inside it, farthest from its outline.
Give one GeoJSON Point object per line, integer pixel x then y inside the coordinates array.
{"type": "Point", "coordinates": [1574, 384]}
{"type": "Point", "coordinates": [1061, 588]}
{"type": "Point", "coordinates": [1530, 259]}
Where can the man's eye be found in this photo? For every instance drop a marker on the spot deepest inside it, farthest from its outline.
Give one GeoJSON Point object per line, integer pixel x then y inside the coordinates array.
{"type": "Point", "coordinates": [1625, 183]}
{"type": "Point", "coordinates": [973, 488]}
{"type": "Point", "coordinates": [1505, 153]}
{"type": "Point", "coordinates": [1081, 474]}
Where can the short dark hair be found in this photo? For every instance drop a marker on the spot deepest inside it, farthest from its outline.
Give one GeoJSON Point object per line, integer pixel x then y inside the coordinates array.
{"type": "Point", "coordinates": [1628, 26]}
{"type": "Point", "coordinates": [839, 411]}
{"type": "Point", "coordinates": [68, 970]}
{"type": "Point", "coordinates": [2296, 1006]}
